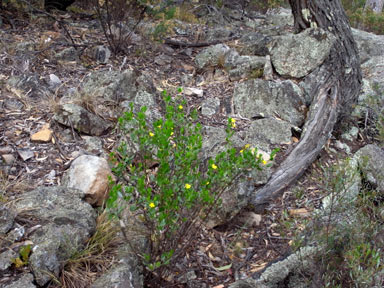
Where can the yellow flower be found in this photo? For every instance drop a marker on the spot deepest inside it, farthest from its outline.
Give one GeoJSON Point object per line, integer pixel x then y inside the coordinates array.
{"type": "Point", "coordinates": [241, 151]}
{"type": "Point", "coordinates": [264, 162]}
{"type": "Point", "coordinates": [187, 186]}
{"type": "Point", "coordinates": [246, 146]}
{"type": "Point", "coordinates": [214, 166]}
{"type": "Point", "coordinates": [159, 126]}
{"type": "Point", "coordinates": [171, 133]}
{"type": "Point", "coordinates": [180, 107]}
{"type": "Point", "coordinates": [233, 121]}
{"type": "Point", "coordinates": [152, 205]}
{"type": "Point", "coordinates": [207, 183]}
{"type": "Point", "coordinates": [151, 134]}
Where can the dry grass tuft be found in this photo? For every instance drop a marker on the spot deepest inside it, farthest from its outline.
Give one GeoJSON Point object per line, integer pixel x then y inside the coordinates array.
{"type": "Point", "coordinates": [98, 256]}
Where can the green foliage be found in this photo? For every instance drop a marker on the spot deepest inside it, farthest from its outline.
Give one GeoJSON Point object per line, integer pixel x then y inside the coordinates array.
{"type": "Point", "coordinates": [167, 183]}
{"type": "Point", "coordinates": [362, 18]}
{"type": "Point", "coordinates": [120, 18]}
{"type": "Point", "coordinates": [348, 231]}
{"type": "Point", "coordinates": [23, 258]}
{"type": "Point", "coordinates": [373, 104]}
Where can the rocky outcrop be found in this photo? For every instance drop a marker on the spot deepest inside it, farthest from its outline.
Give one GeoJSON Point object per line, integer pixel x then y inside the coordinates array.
{"type": "Point", "coordinates": [66, 223]}
{"type": "Point", "coordinates": [262, 99]}
{"type": "Point", "coordinates": [296, 55]}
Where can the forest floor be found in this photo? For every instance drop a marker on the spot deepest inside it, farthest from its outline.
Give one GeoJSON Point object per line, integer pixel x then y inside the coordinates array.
{"type": "Point", "coordinates": [218, 256]}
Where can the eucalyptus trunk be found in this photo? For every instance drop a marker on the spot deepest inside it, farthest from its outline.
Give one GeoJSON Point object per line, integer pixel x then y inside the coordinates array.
{"type": "Point", "coordinates": [335, 88]}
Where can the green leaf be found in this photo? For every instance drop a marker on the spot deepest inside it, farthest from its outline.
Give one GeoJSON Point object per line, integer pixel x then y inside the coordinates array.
{"type": "Point", "coordinates": [24, 252]}
{"type": "Point", "coordinates": [223, 268]}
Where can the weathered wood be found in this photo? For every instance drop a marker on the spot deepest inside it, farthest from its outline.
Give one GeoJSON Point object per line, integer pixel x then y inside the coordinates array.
{"type": "Point", "coordinates": [335, 88]}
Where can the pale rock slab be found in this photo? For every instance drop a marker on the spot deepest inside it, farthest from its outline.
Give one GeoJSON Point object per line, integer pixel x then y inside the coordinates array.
{"type": "Point", "coordinates": [89, 174]}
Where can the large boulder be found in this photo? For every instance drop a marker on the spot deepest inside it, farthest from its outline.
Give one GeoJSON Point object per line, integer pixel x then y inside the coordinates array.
{"type": "Point", "coordinates": [257, 97]}
{"type": "Point", "coordinates": [371, 163]}
{"type": "Point", "coordinates": [296, 55]}
{"type": "Point", "coordinates": [113, 86]}
{"type": "Point", "coordinates": [73, 115]}
{"type": "Point", "coordinates": [66, 223]}
{"type": "Point", "coordinates": [369, 44]}
{"type": "Point", "coordinates": [254, 43]}
{"type": "Point", "coordinates": [212, 56]}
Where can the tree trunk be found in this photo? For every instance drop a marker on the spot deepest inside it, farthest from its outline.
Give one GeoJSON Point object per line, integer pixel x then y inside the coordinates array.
{"type": "Point", "coordinates": [336, 86]}
{"type": "Point", "coordinates": [375, 5]}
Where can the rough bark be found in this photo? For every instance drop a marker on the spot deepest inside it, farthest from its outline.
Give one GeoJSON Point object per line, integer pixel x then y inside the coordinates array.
{"type": "Point", "coordinates": [335, 88]}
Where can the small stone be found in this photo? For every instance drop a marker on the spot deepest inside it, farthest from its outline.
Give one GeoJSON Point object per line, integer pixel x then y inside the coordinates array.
{"type": "Point", "coordinates": [5, 150]}
{"type": "Point", "coordinates": [25, 154]}
{"type": "Point", "coordinates": [44, 135]}
{"type": "Point", "coordinates": [210, 106]}
{"type": "Point", "coordinates": [193, 92]}
{"type": "Point", "coordinates": [54, 81]}
{"type": "Point", "coordinates": [8, 159]}
{"type": "Point", "coordinates": [6, 259]}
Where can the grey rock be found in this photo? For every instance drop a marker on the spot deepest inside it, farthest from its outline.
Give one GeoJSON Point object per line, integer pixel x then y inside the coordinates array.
{"type": "Point", "coordinates": [6, 258]}
{"type": "Point", "coordinates": [369, 44]}
{"type": "Point", "coordinates": [68, 54]}
{"type": "Point", "coordinates": [25, 154]}
{"type": "Point", "coordinates": [268, 130]}
{"type": "Point", "coordinates": [30, 84]}
{"type": "Point", "coordinates": [210, 106]}
{"type": "Point", "coordinates": [280, 17]}
{"type": "Point", "coordinates": [163, 59]}
{"type": "Point", "coordinates": [212, 56]}
{"type": "Point", "coordinates": [246, 66]}
{"type": "Point", "coordinates": [111, 85]}
{"type": "Point", "coordinates": [254, 43]}
{"type": "Point", "coordinates": [218, 33]}
{"type": "Point", "coordinates": [371, 163]}
{"type": "Point", "coordinates": [16, 233]}
{"type": "Point", "coordinates": [101, 54]}
{"type": "Point", "coordinates": [126, 274]}
{"type": "Point", "coordinates": [68, 223]}
{"type": "Point", "coordinates": [75, 116]}
{"type": "Point", "coordinates": [7, 218]}
{"type": "Point", "coordinates": [8, 159]}
{"type": "Point", "coordinates": [54, 81]}
{"type": "Point", "coordinates": [93, 145]}
{"type": "Point", "coordinates": [25, 281]}
{"type": "Point", "coordinates": [296, 55]}
{"type": "Point", "coordinates": [268, 69]}
{"type": "Point", "coordinates": [5, 150]}
{"type": "Point", "coordinates": [260, 97]}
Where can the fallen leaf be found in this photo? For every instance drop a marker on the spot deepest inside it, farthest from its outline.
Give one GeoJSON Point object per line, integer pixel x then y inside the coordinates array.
{"type": "Point", "coordinates": [223, 268]}
{"type": "Point", "coordinates": [301, 212]}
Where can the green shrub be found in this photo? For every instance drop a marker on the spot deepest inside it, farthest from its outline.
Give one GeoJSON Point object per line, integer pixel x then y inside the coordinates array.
{"type": "Point", "coordinates": [348, 230]}
{"type": "Point", "coordinates": [167, 182]}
